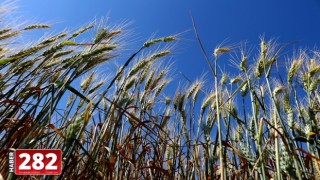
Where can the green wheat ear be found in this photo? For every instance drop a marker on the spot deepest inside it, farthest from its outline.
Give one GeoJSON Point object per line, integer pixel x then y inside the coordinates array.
{"type": "Point", "coordinates": [209, 99]}
{"type": "Point", "coordinates": [314, 83]}
{"type": "Point", "coordinates": [259, 68]}
{"type": "Point", "coordinates": [52, 39]}
{"type": "Point", "coordinates": [155, 41]}
{"type": "Point", "coordinates": [243, 64]}
{"type": "Point", "coordinates": [224, 78]}
{"type": "Point", "coordinates": [100, 36]}
{"type": "Point", "coordinates": [9, 35]}
{"type": "Point", "coordinates": [80, 31]}
{"type": "Point", "coordinates": [235, 80]}
{"type": "Point", "coordinates": [137, 67]}
{"type": "Point", "coordinates": [221, 50]}
{"type": "Point", "coordinates": [244, 90]}
{"type": "Point", "coordinates": [3, 31]}
{"type": "Point", "coordinates": [160, 54]}
{"type": "Point", "coordinates": [293, 69]}
{"type": "Point", "coordinates": [279, 89]}
{"type": "Point", "coordinates": [36, 26]}
{"type": "Point", "coordinates": [62, 53]}
{"type": "Point", "coordinates": [144, 73]}
{"type": "Point", "coordinates": [288, 110]}
{"type": "Point", "coordinates": [193, 88]}
{"type": "Point", "coordinates": [87, 82]}
{"type": "Point", "coordinates": [96, 86]}
{"type": "Point", "coordinates": [161, 87]}
{"type": "Point", "coordinates": [130, 83]}
{"type": "Point", "coordinates": [313, 68]}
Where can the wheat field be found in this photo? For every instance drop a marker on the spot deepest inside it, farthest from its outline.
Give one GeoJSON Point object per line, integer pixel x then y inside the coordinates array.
{"type": "Point", "coordinates": [260, 122]}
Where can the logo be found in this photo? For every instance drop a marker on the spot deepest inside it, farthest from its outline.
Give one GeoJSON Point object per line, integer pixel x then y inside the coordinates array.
{"type": "Point", "coordinates": [36, 161]}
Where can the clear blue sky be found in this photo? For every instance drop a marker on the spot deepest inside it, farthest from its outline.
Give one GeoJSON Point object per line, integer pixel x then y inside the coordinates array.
{"type": "Point", "coordinates": [288, 20]}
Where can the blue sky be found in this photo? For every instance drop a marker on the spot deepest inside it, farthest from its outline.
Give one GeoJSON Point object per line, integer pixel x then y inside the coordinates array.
{"type": "Point", "coordinates": [287, 20]}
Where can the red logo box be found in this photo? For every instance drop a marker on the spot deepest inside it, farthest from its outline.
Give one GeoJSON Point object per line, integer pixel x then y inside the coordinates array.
{"type": "Point", "coordinates": [38, 162]}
